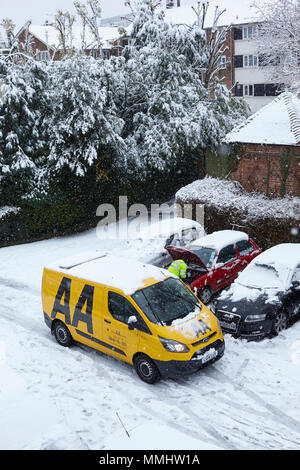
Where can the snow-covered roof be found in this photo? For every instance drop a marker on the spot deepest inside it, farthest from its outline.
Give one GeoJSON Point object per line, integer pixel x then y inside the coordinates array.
{"type": "Point", "coordinates": [114, 271]}
{"type": "Point", "coordinates": [285, 254]}
{"type": "Point", "coordinates": [276, 123]}
{"type": "Point", "coordinates": [220, 239]}
{"type": "Point", "coordinates": [168, 226]}
{"type": "Point", "coordinates": [236, 13]}
{"type": "Point", "coordinates": [3, 39]}
{"type": "Point", "coordinates": [50, 36]}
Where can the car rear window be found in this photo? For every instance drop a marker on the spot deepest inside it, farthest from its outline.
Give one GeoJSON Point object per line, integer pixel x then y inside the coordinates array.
{"type": "Point", "coordinates": [244, 247]}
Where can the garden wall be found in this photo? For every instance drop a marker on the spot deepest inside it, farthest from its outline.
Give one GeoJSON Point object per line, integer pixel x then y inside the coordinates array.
{"type": "Point", "coordinates": [227, 205]}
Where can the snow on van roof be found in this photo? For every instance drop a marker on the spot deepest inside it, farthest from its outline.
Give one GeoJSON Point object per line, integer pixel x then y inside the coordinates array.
{"type": "Point", "coordinates": [114, 271]}
{"type": "Point", "coordinates": [220, 239]}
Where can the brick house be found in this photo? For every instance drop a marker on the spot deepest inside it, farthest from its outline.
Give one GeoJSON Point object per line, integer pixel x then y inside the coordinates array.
{"type": "Point", "coordinates": [43, 41]}
{"type": "Point", "coordinates": [240, 65]}
{"type": "Point", "coordinates": [266, 149]}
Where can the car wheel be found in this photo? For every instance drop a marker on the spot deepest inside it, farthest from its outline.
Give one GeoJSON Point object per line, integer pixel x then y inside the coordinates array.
{"type": "Point", "coordinates": [280, 323]}
{"type": "Point", "coordinates": [62, 334]}
{"type": "Point", "coordinates": [205, 295]}
{"type": "Point", "coordinates": [146, 369]}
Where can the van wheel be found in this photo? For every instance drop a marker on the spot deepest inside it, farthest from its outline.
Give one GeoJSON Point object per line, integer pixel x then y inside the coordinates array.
{"type": "Point", "coordinates": [146, 369]}
{"type": "Point", "coordinates": [205, 295]}
{"type": "Point", "coordinates": [62, 334]}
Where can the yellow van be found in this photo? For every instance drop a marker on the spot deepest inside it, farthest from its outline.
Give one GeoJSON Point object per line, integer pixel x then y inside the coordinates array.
{"type": "Point", "coordinates": [136, 312]}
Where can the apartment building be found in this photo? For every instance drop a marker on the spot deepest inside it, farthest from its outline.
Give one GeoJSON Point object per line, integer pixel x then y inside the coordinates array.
{"type": "Point", "coordinates": [240, 67]}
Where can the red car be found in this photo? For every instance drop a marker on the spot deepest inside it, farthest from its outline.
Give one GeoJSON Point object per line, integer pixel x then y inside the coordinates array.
{"type": "Point", "coordinates": [215, 260]}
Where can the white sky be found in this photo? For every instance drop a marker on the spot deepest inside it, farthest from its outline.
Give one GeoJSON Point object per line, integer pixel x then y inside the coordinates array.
{"type": "Point", "coordinates": [38, 11]}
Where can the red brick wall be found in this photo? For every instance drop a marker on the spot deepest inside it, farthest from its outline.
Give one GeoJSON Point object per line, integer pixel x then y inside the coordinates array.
{"type": "Point", "coordinates": [270, 169]}
{"type": "Point", "coordinates": [228, 46]}
{"type": "Point", "coordinates": [36, 45]}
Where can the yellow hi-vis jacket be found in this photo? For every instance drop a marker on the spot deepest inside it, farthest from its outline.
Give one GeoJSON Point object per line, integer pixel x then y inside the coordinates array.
{"type": "Point", "coordinates": [178, 268]}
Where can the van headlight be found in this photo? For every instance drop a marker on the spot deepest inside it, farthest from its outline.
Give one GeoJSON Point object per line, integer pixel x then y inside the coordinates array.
{"type": "Point", "coordinates": [173, 346]}
{"type": "Point", "coordinates": [252, 318]}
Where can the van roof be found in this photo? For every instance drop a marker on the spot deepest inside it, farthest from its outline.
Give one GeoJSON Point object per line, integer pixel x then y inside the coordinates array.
{"type": "Point", "coordinates": [114, 271]}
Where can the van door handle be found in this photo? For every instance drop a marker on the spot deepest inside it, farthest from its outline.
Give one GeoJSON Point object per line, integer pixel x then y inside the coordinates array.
{"type": "Point", "coordinates": [107, 321]}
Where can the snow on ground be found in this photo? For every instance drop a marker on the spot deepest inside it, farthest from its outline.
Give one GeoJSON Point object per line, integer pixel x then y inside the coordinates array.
{"type": "Point", "coordinates": [58, 398]}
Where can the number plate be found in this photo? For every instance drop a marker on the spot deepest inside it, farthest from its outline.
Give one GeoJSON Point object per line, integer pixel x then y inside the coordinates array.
{"type": "Point", "coordinates": [229, 326]}
{"type": "Point", "coordinates": [209, 355]}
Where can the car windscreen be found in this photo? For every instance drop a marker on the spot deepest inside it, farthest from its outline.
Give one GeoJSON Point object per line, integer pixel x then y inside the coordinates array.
{"type": "Point", "coordinates": [166, 301]}
{"type": "Point", "coordinates": [262, 276]}
{"type": "Point", "coordinates": [207, 255]}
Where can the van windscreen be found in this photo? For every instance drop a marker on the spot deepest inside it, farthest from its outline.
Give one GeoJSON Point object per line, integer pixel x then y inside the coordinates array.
{"type": "Point", "coordinates": [166, 301]}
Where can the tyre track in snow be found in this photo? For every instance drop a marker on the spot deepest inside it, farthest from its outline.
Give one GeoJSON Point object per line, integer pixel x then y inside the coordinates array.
{"type": "Point", "coordinates": [272, 412]}
{"type": "Point", "coordinates": [211, 434]}
{"type": "Point", "coordinates": [244, 418]}
{"type": "Point", "coordinates": [10, 313]}
{"type": "Point", "coordinates": [285, 419]}
{"type": "Point", "coordinates": [20, 286]}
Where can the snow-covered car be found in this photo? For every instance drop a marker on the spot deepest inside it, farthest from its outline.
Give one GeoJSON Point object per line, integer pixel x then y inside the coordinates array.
{"type": "Point", "coordinates": [175, 231]}
{"type": "Point", "coordinates": [215, 260]}
{"type": "Point", "coordinates": [266, 295]}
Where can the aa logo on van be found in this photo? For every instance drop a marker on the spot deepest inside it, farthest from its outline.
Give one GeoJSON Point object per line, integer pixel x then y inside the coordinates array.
{"type": "Point", "coordinates": [83, 309]}
{"type": "Point", "coordinates": [200, 328]}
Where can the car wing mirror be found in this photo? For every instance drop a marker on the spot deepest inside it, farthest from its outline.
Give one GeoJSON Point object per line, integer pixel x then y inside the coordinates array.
{"type": "Point", "coordinates": [132, 322]}
{"type": "Point", "coordinates": [295, 284]}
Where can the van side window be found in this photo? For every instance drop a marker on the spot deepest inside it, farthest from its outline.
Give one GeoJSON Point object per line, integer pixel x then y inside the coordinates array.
{"type": "Point", "coordinates": [121, 310]}
{"type": "Point", "coordinates": [119, 307]}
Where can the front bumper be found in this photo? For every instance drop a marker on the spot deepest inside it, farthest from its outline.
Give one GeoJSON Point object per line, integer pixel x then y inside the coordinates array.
{"type": "Point", "coordinates": [174, 369]}
{"type": "Point", "coordinates": [235, 325]}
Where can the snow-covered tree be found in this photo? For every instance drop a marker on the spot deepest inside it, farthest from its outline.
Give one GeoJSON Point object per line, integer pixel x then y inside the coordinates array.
{"type": "Point", "coordinates": [170, 111]}
{"type": "Point", "coordinates": [63, 23]}
{"type": "Point", "coordinates": [23, 139]}
{"type": "Point", "coordinates": [84, 120]}
{"type": "Point", "coordinates": [90, 14]}
{"type": "Point", "coordinates": [278, 40]}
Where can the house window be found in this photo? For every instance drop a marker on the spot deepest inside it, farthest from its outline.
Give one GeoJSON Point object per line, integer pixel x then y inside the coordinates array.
{"type": "Point", "coordinates": [250, 60]}
{"type": "Point", "coordinates": [248, 90]}
{"type": "Point", "coordinates": [222, 62]}
{"type": "Point", "coordinates": [249, 32]}
{"type": "Point", "coordinates": [43, 55]}
{"type": "Point", "coordinates": [267, 89]}
{"type": "Point", "coordinates": [238, 61]}
{"type": "Point", "coordinates": [259, 89]}
{"type": "Point", "coordinates": [237, 33]}
{"type": "Point", "coordinates": [239, 90]}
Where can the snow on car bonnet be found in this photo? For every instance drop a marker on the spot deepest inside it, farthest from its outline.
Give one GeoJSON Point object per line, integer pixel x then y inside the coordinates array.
{"type": "Point", "coordinates": [104, 268]}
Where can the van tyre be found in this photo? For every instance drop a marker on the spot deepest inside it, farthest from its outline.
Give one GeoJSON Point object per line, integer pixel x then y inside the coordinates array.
{"type": "Point", "coordinates": [205, 295]}
{"type": "Point", "coordinates": [146, 369]}
{"type": "Point", "coordinates": [62, 334]}
{"type": "Point", "coordinates": [280, 323]}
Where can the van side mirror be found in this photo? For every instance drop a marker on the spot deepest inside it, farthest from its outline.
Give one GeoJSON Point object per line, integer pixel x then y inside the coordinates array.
{"type": "Point", "coordinates": [132, 322]}
{"type": "Point", "coordinates": [295, 284]}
